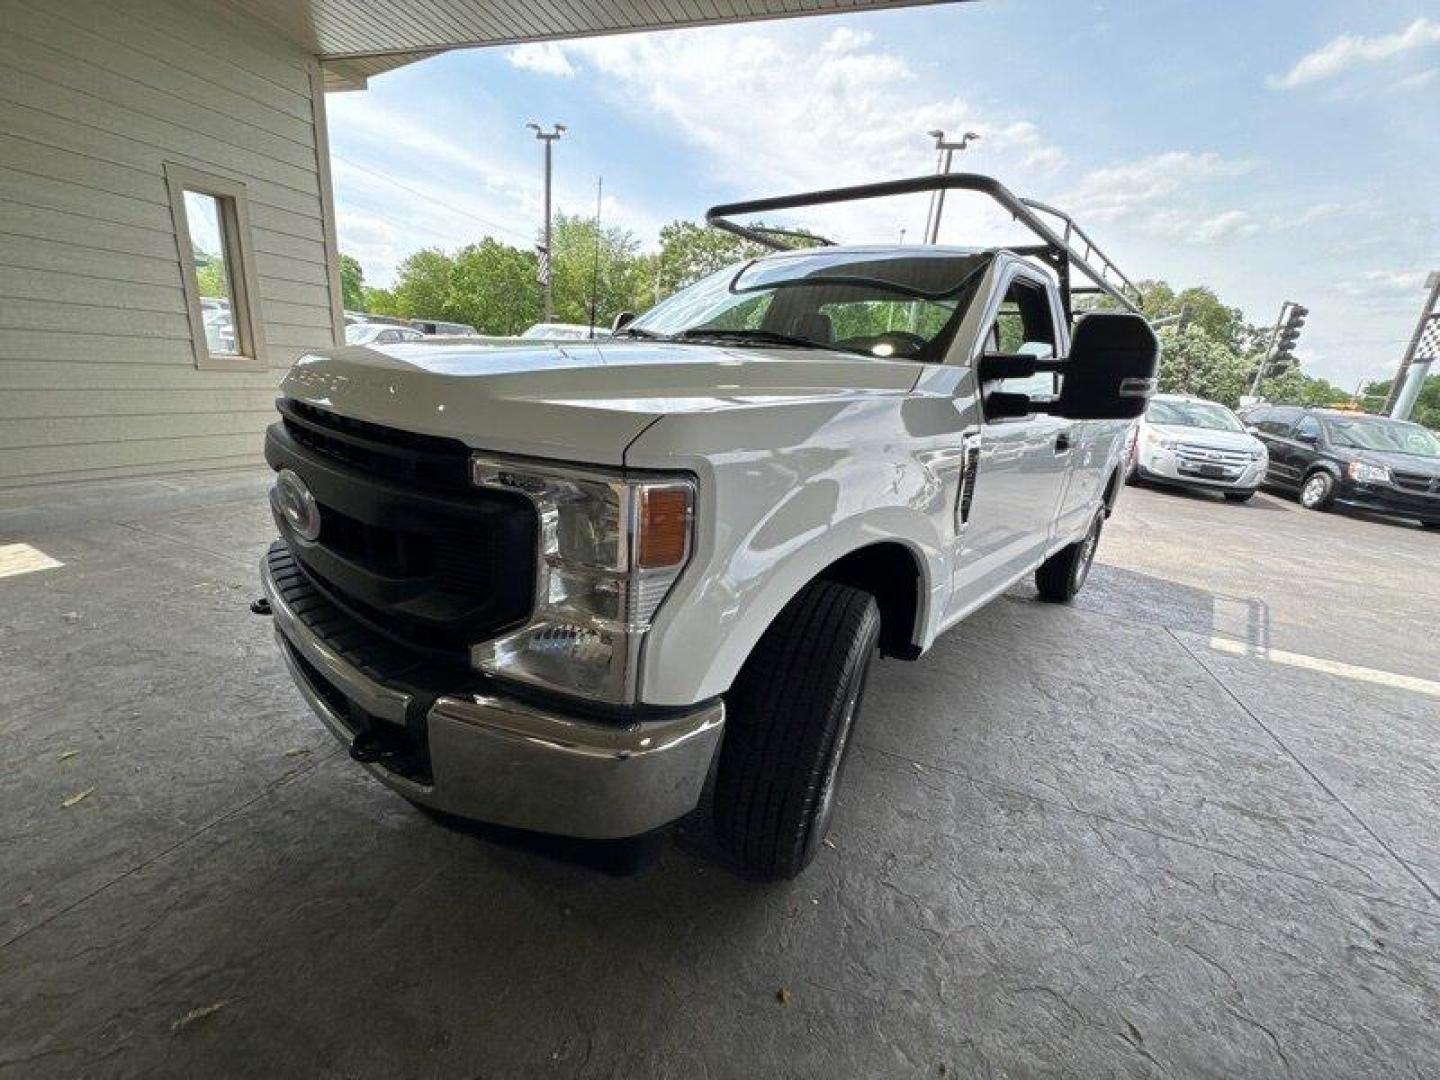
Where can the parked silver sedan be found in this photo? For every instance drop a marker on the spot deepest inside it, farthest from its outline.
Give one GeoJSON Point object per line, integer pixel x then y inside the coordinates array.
{"type": "Point", "coordinates": [1189, 442]}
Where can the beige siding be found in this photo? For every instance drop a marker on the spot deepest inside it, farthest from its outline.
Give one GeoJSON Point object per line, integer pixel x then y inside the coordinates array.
{"type": "Point", "coordinates": [97, 377]}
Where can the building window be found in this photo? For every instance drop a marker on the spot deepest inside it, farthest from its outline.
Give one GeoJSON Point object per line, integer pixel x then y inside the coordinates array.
{"type": "Point", "coordinates": [212, 232]}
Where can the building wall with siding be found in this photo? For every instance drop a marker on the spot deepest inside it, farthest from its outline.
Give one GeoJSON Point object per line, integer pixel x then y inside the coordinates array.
{"type": "Point", "coordinates": [97, 377]}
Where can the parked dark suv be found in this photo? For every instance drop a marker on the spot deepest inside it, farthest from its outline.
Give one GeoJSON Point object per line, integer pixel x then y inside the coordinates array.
{"type": "Point", "coordinates": [1327, 456]}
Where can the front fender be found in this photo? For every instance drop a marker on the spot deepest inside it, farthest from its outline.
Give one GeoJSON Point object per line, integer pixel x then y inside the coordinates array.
{"type": "Point", "coordinates": [771, 520]}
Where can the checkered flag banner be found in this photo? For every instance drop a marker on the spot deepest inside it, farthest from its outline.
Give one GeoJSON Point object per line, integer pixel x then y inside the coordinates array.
{"type": "Point", "coordinates": [542, 270]}
{"type": "Point", "coordinates": [1428, 348]}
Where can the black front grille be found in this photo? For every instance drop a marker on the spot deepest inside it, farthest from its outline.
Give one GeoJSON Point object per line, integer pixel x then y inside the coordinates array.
{"type": "Point", "coordinates": [433, 569]}
{"type": "Point", "coordinates": [1421, 482]}
{"type": "Point", "coordinates": [428, 461]}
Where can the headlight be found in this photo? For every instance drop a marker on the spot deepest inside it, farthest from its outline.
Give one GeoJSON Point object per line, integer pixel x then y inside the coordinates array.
{"type": "Point", "coordinates": [610, 549]}
{"type": "Point", "coordinates": [1152, 439]}
{"type": "Point", "coordinates": [1366, 473]}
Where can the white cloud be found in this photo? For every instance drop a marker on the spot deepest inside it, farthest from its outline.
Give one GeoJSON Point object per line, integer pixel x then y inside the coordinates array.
{"type": "Point", "coordinates": [770, 111]}
{"type": "Point", "coordinates": [542, 57]}
{"type": "Point", "coordinates": [1414, 82]}
{"type": "Point", "coordinates": [1132, 188]}
{"type": "Point", "coordinates": [1224, 227]}
{"type": "Point", "coordinates": [1351, 50]}
{"type": "Point", "coordinates": [1318, 212]}
{"type": "Point", "coordinates": [1393, 285]}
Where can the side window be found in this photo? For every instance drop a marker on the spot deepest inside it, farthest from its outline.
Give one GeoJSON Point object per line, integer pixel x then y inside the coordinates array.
{"type": "Point", "coordinates": [1277, 422]}
{"type": "Point", "coordinates": [1308, 427]}
{"type": "Point", "coordinates": [1024, 325]}
{"type": "Point", "coordinates": [211, 217]}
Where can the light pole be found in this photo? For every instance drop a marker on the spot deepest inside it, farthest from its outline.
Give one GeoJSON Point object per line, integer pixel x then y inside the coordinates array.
{"type": "Point", "coordinates": [548, 139]}
{"type": "Point", "coordinates": [944, 154]}
{"type": "Point", "coordinates": [1394, 405]}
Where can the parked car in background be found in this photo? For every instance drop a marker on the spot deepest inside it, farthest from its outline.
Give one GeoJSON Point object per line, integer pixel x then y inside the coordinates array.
{"type": "Point", "coordinates": [1329, 457]}
{"type": "Point", "coordinates": [1189, 442]}
{"type": "Point", "coordinates": [451, 329]}
{"type": "Point", "coordinates": [380, 334]}
{"type": "Point", "coordinates": [559, 331]}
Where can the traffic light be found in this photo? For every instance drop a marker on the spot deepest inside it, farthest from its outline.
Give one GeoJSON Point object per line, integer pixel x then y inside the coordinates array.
{"type": "Point", "coordinates": [1289, 335]}
{"type": "Point", "coordinates": [1279, 364]}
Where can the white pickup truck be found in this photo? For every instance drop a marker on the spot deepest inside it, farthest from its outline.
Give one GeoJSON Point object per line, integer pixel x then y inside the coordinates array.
{"type": "Point", "coordinates": [558, 586]}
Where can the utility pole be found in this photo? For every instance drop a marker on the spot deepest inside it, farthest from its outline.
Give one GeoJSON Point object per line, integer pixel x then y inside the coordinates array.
{"type": "Point", "coordinates": [1402, 379]}
{"type": "Point", "coordinates": [944, 154]}
{"type": "Point", "coordinates": [548, 139]}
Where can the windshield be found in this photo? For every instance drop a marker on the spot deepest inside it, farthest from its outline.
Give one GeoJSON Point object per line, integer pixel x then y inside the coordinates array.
{"type": "Point", "coordinates": [882, 303]}
{"type": "Point", "coordinates": [1389, 436]}
{"type": "Point", "coordinates": [1196, 414]}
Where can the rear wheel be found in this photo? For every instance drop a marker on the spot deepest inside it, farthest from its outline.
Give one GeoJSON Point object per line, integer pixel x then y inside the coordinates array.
{"type": "Point", "coordinates": [1318, 491]}
{"type": "Point", "coordinates": [788, 726]}
{"type": "Point", "coordinates": [1063, 575]}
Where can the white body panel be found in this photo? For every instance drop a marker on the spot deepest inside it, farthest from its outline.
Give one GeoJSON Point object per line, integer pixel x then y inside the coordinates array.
{"type": "Point", "coordinates": [801, 457]}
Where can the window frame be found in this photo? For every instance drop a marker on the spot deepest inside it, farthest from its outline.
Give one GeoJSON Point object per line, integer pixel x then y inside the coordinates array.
{"type": "Point", "coordinates": [232, 201]}
{"type": "Point", "coordinates": [1029, 278]}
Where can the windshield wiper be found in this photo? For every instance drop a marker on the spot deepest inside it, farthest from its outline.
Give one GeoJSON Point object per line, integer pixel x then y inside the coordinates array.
{"type": "Point", "coordinates": [637, 332]}
{"type": "Point", "coordinates": [760, 337]}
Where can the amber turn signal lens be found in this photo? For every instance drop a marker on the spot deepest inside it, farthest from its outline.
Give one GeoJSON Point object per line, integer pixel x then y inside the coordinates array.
{"type": "Point", "coordinates": [664, 526]}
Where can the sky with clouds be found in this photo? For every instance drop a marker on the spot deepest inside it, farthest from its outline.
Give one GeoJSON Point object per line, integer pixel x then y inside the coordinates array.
{"type": "Point", "coordinates": [1282, 149]}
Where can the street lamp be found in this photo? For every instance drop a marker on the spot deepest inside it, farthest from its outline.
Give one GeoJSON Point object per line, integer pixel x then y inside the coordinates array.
{"type": "Point", "coordinates": [548, 139]}
{"type": "Point", "coordinates": [945, 152]}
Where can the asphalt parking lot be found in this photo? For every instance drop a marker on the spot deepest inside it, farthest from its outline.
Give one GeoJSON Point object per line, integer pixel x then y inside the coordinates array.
{"type": "Point", "coordinates": [1189, 826]}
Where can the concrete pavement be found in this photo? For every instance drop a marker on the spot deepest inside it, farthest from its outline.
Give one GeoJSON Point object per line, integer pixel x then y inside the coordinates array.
{"type": "Point", "coordinates": [1137, 836]}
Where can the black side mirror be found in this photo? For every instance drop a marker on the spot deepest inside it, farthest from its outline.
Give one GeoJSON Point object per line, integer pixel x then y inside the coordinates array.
{"type": "Point", "coordinates": [1110, 372]}
{"type": "Point", "coordinates": [1308, 437]}
{"type": "Point", "coordinates": [622, 319]}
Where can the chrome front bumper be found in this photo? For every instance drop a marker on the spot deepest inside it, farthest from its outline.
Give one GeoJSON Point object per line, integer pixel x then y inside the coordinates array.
{"type": "Point", "coordinates": [1165, 466]}
{"type": "Point", "coordinates": [510, 763]}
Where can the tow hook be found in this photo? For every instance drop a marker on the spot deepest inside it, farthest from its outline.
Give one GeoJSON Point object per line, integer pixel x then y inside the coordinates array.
{"type": "Point", "coordinates": [370, 746]}
{"type": "Point", "coordinates": [260, 606]}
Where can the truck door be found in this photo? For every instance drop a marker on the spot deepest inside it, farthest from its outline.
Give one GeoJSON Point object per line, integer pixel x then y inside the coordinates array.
{"type": "Point", "coordinates": [1024, 462]}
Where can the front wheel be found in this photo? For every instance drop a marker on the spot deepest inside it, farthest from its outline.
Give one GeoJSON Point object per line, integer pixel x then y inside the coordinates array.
{"type": "Point", "coordinates": [1318, 491]}
{"type": "Point", "coordinates": [1063, 575]}
{"type": "Point", "coordinates": [788, 725]}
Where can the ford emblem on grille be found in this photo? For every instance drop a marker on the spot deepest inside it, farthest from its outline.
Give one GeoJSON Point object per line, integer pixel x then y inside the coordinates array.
{"type": "Point", "coordinates": [298, 505]}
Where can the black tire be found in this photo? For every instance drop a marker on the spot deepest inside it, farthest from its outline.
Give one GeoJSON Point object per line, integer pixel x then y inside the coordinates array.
{"type": "Point", "coordinates": [1063, 575]}
{"type": "Point", "coordinates": [1430, 524]}
{"type": "Point", "coordinates": [788, 722]}
{"type": "Point", "coordinates": [1317, 491]}
{"type": "Point", "coordinates": [1239, 496]}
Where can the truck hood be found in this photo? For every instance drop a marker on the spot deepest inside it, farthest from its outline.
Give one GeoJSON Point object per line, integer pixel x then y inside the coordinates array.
{"type": "Point", "coordinates": [575, 401]}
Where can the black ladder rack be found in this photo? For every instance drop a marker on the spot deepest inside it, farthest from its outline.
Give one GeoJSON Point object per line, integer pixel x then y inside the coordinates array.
{"type": "Point", "coordinates": [1068, 250]}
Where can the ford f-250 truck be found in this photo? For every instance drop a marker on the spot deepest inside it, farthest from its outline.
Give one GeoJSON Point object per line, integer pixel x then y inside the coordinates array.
{"type": "Point", "coordinates": [555, 586]}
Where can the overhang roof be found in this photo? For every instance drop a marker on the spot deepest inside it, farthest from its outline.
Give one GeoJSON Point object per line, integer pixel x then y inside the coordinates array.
{"type": "Point", "coordinates": [356, 39]}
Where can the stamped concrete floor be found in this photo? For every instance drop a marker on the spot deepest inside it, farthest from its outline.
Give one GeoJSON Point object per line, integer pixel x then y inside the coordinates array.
{"type": "Point", "coordinates": [1189, 826]}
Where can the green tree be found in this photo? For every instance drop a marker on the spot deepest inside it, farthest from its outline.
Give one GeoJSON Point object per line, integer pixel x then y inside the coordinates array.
{"type": "Point", "coordinates": [689, 251]}
{"type": "Point", "coordinates": [1427, 404]}
{"type": "Point", "coordinates": [352, 283]}
{"type": "Point", "coordinates": [493, 288]}
{"type": "Point", "coordinates": [422, 285]}
{"type": "Point", "coordinates": [210, 277]}
{"type": "Point", "coordinates": [1194, 362]}
{"type": "Point", "coordinates": [610, 269]}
